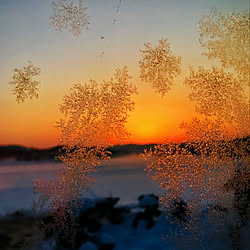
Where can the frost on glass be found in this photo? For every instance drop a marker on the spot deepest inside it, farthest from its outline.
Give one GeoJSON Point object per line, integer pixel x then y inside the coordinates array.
{"type": "Point", "coordinates": [117, 10]}
{"type": "Point", "coordinates": [94, 117]}
{"type": "Point", "coordinates": [159, 66]}
{"type": "Point", "coordinates": [226, 37]}
{"type": "Point", "coordinates": [217, 93]}
{"type": "Point", "coordinates": [24, 84]}
{"type": "Point", "coordinates": [190, 170]}
{"type": "Point", "coordinates": [209, 171]}
{"type": "Point", "coordinates": [96, 114]}
{"type": "Point", "coordinates": [69, 15]}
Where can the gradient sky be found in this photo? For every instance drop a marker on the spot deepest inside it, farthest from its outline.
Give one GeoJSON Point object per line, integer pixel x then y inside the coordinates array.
{"type": "Point", "coordinates": [25, 34]}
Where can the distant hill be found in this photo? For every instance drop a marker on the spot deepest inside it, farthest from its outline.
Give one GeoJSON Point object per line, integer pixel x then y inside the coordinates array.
{"type": "Point", "coordinates": [21, 153]}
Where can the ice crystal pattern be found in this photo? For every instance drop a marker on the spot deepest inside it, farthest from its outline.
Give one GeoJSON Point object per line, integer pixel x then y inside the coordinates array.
{"type": "Point", "coordinates": [117, 11]}
{"type": "Point", "coordinates": [226, 37]}
{"type": "Point", "coordinates": [208, 171]}
{"type": "Point", "coordinates": [211, 168]}
{"type": "Point", "coordinates": [219, 94]}
{"type": "Point", "coordinates": [159, 66]}
{"type": "Point", "coordinates": [69, 16]}
{"type": "Point", "coordinates": [94, 117]}
{"type": "Point", "coordinates": [24, 86]}
{"type": "Point", "coordinates": [96, 114]}
{"type": "Point", "coordinates": [199, 166]}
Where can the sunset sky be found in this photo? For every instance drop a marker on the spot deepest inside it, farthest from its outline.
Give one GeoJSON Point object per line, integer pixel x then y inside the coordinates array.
{"type": "Point", "coordinates": [26, 35]}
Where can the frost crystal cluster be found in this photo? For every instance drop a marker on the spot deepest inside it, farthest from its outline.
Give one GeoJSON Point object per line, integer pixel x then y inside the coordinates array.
{"type": "Point", "coordinates": [226, 37]}
{"type": "Point", "coordinates": [24, 86]}
{"type": "Point", "coordinates": [211, 168]}
{"type": "Point", "coordinates": [69, 16]}
{"type": "Point", "coordinates": [196, 166]}
{"type": "Point", "coordinates": [94, 117]}
{"type": "Point", "coordinates": [159, 66]}
{"type": "Point", "coordinates": [96, 114]}
{"type": "Point", "coordinates": [219, 94]}
{"type": "Point", "coordinates": [209, 171]}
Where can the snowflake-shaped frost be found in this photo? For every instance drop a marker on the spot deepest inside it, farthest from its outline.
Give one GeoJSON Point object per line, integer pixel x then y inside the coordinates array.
{"type": "Point", "coordinates": [159, 66]}
{"type": "Point", "coordinates": [69, 16]}
{"type": "Point", "coordinates": [24, 85]}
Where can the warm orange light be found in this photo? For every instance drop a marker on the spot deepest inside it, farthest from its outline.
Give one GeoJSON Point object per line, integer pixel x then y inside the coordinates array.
{"type": "Point", "coordinates": [146, 130]}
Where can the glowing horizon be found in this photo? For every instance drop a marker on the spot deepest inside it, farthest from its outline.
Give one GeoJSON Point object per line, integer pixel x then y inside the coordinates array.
{"type": "Point", "coordinates": [95, 54]}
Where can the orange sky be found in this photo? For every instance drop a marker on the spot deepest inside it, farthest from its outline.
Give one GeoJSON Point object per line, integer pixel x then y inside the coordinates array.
{"type": "Point", "coordinates": [64, 60]}
{"type": "Point", "coordinates": [154, 118]}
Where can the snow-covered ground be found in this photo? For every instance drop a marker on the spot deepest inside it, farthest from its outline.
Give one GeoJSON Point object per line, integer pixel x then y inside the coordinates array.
{"type": "Point", "coordinates": [122, 177]}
